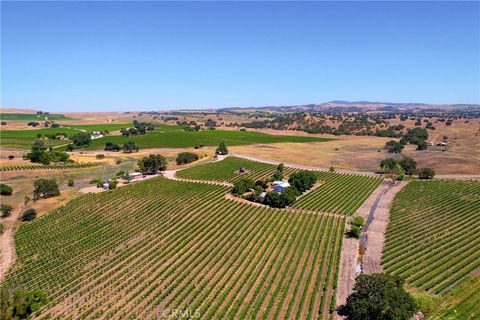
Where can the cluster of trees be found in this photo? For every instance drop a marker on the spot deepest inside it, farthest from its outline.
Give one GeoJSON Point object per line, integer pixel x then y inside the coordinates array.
{"type": "Point", "coordinates": [417, 136]}
{"type": "Point", "coordinates": [139, 128]}
{"type": "Point", "coordinates": [397, 169]}
{"type": "Point", "coordinates": [5, 189]}
{"type": "Point", "coordinates": [41, 154]}
{"type": "Point", "coordinates": [128, 147]}
{"type": "Point", "coordinates": [302, 180]}
{"type": "Point", "coordinates": [186, 157]}
{"type": "Point", "coordinates": [393, 146]}
{"type": "Point", "coordinates": [80, 140]}
{"type": "Point", "coordinates": [299, 182]}
{"type": "Point", "coordinates": [222, 149]}
{"type": "Point", "coordinates": [45, 188]}
{"type": "Point", "coordinates": [379, 297]}
{"type": "Point", "coordinates": [20, 304]}
{"type": "Point", "coordinates": [152, 164]}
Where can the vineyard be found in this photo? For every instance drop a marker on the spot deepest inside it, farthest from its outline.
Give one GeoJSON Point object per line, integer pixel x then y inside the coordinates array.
{"type": "Point", "coordinates": [51, 166]}
{"type": "Point", "coordinates": [432, 237]}
{"type": "Point", "coordinates": [463, 302]}
{"type": "Point", "coordinates": [339, 193]}
{"type": "Point", "coordinates": [162, 244]}
{"type": "Point", "coordinates": [228, 170]}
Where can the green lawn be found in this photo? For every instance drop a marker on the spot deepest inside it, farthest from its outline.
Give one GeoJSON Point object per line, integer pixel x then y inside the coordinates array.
{"type": "Point", "coordinates": [23, 139]}
{"type": "Point", "coordinates": [31, 116]}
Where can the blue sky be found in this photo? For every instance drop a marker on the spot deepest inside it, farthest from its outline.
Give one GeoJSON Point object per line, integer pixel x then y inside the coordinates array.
{"type": "Point", "coordinates": [101, 56]}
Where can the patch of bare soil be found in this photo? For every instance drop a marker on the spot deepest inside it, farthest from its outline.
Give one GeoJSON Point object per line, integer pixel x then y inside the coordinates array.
{"type": "Point", "coordinates": [375, 235]}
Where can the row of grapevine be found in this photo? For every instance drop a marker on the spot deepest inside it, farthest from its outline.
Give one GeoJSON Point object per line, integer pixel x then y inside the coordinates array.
{"type": "Point", "coordinates": [228, 170]}
{"type": "Point", "coordinates": [339, 193]}
{"type": "Point", "coordinates": [160, 245]}
{"type": "Point", "coordinates": [463, 302]}
{"type": "Point", "coordinates": [75, 165]}
{"type": "Point", "coordinates": [432, 237]}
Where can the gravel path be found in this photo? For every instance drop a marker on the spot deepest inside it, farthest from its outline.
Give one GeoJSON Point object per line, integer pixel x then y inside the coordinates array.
{"type": "Point", "coordinates": [375, 233]}
{"type": "Point", "coordinates": [7, 243]}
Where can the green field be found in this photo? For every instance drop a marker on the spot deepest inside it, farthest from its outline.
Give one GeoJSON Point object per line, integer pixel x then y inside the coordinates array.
{"type": "Point", "coordinates": [463, 302]}
{"type": "Point", "coordinates": [227, 170]}
{"type": "Point", "coordinates": [31, 117]}
{"type": "Point", "coordinates": [432, 238]}
{"type": "Point", "coordinates": [164, 136]}
{"type": "Point", "coordinates": [99, 127]}
{"type": "Point", "coordinates": [161, 244]}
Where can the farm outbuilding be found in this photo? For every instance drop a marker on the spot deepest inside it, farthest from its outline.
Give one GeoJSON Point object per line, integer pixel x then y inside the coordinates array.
{"type": "Point", "coordinates": [280, 186]}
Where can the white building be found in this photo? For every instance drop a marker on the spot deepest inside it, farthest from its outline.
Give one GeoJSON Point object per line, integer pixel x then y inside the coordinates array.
{"type": "Point", "coordinates": [135, 175]}
{"type": "Point", "coordinates": [280, 186]}
{"type": "Point", "coordinates": [96, 135]}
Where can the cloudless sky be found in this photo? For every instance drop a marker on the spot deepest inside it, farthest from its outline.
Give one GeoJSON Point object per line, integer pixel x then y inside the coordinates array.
{"type": "Point", "coordinates": [101, 56]}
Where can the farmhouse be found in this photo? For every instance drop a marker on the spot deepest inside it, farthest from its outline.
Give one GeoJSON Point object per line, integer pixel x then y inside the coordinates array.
{"type": "Point", "coordinates": [96, 135]}
{"type": "Point", "coordinates": [280, 186]}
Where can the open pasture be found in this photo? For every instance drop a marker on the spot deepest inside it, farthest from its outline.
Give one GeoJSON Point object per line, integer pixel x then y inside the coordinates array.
{"type": "Point", "coordinates": [32, 116]}
{"type": "Point", "coordinates": [161, 245]}
{"type": "Point", "coordinates": [432, 237]}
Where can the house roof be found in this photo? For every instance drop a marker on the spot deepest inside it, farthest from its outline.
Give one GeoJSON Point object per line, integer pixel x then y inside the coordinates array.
{"type": "Point", "coordinates": [283, 184]}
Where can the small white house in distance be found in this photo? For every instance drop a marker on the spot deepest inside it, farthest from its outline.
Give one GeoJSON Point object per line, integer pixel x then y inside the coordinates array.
{"type": "Point", "coordinates": [135, 175]}
{"type": "Point", "coordinates": [96, 135]}
{"type": "Point", "coordinates": [280, 186]}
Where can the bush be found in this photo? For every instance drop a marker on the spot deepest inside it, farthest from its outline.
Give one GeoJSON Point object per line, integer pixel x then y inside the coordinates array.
{"type": "Point", "coordinates": [380, 297]}
{"type": "Point", "coordinates": [112, 185]}
{"type": "Point", "coordinates": [2, 228]}
{"type": "Point", "coordinates": [331, 169]}
{"type": "Point", "coordinates": [110, 146]}
{"type": "Point", "coordinates": [242, 186]}
{"type": "Point", "coordinates": [100, 156]}
{"type": "Point", "coordinates": [355, 232]}
{"type": "Point", "coordinates": [118, 162]}
{"type": "Point", "coordinates": [70, 183]}
{"type": "Point", "coordinates": [394, 146]}
{"type": "Point", "coordinates": [29, 215]}
{"type": "Point", "coordinates": [95, 181]}
{"type": "Point", "coordinates": [6, 210]}
{"type": "Point", "coordinates": [426, 173]}
{"type": "Point", "coordinates": [130, 147]}
{"type": "Point", "coordinates": [358, 221]}
{"type": "Point", "coordinates": [302, 180]}
{"type": "Point", "coordinates": [120, 173]}
{"type": "Point", "coordinates": [5, 190]}
{"type": "Point", "coordinates": [408, 165]}
{"type": "Point", "coordinates": [186, 157]}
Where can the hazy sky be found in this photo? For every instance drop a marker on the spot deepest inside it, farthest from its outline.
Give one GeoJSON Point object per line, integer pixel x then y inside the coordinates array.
{"type": "Point", "coordinates": [99, 56]}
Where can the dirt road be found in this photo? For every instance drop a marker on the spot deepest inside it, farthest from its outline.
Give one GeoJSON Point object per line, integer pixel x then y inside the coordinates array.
{"type": "Point", "coordinates": [7, 242]}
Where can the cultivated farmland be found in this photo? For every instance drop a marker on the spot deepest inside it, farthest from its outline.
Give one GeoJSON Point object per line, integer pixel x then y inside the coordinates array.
{"type": "Point", "coordinates": [432, 237]}
{"type": "Point", "coordinates": [227, 170]}
{"type": "Point", "coordinates": [339, 193]}
{"type": "Point", "coordinates": [50, 166]}
{"type": "Point", "coordinates": [162, 244]}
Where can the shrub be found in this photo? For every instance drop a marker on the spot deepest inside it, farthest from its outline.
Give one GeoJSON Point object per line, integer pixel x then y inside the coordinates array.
{"type": "Point", "coordinates": [2, 228]}
{"type": "Point", "coordinates": [112, 185]}
{"type": "Point", "coordinates": [118, 162]}
{"type": "Point", "coordinates": [100, 156]}
{"type": "Point", "coordinates": [130, 147]}
{"type": "Point", "coordinates": [29, 215]}
{"type": "Point", "coordinates": [70, 183]}
{"type": "Point", "coordinates": [120, 173]}
{"type": "Point", "coordinates": [110, 146]}
{"type": "Point", "coordinates": [426, 173]}
{"type": "Point", "coordinates": [358, 221]}
{"type": "Point", "coordinates": [95, 181]}
{"type": "Point", "coordinates": [6, 210]}
{"type": "Point", "coordinates": [355, 232]}
{"type": "Point", "coordinates": [186, 157]}
{"type": "Point", "coordinates": [5, 190]}
{"type": "Point", "coordinates": [331, 169]}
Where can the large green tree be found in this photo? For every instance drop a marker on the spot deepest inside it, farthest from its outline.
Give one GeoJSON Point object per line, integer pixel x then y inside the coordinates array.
{"type": "Point", "coordinates": [379, 297]}
{"type": "Point", "coordinates": [222, 149]}
{"type": "Point", "coordinates": [302, 180]}
{"type": "Point", "coordinates": [45, 188]}
{"type": "Point", "coordinates": [82, 139]}
{"type": "Point", "coordinates": [152, 164]}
